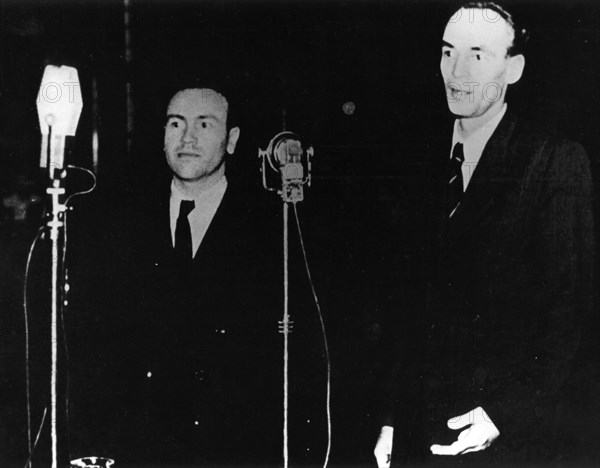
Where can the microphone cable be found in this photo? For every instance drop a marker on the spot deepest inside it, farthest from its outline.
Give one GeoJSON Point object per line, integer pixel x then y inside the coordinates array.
{"type": "Point", "coordinates": [39, 234]}
{"type": "Point", "coordinates": [37, 438]}
{"type": "Point", "coordinates": [326, 344]}
{"type": "Point", "coordinates": [65, 284]}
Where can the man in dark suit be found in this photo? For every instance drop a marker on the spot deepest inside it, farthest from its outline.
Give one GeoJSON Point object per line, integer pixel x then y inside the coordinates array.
{"type": "Point", "coordinates": [191, 373]}
{"type": "Point", "coordinates": [510, 276]}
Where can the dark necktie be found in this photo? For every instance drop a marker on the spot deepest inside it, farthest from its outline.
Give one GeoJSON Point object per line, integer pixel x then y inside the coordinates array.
{"type": "Point", "coordinates": [183, 233]}
{"type": "Point", "coordinates": [455, 179]}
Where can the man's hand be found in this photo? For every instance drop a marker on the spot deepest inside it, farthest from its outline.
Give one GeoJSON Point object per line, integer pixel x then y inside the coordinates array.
{"type": "Point", "coordinates": [383, 447]}
{"type": "Point", "coordinates": [478, 436]}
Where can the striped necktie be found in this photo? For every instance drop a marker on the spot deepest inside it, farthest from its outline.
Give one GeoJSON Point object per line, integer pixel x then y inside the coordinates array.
{"type": "Point", "coordinates": [455, 179]}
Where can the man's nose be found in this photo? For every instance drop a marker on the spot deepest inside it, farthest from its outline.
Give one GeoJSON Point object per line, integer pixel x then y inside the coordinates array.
{"type": "Point", "coordinates": [461, 67]}
{"type": "Point", "coordinates": [190, 134]}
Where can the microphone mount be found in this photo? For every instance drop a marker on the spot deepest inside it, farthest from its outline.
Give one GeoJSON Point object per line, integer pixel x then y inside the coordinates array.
{"type": "Point", "coordinates": [287, 156]}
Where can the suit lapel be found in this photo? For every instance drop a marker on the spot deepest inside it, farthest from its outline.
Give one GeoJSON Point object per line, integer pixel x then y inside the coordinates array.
{"type": "Point", "coordinates": [487, 183]}
{"type": "Point", "coordinates": [163, 226]}
{"type": "Point", "coordinates": [221, 226]}
{"type": "Point", "coordinates": [164, 214]}
{"type": "Point", "coordinates": [156, 224]}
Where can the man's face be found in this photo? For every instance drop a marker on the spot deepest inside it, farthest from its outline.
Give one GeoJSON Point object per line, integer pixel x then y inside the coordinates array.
{"type": "Point", "coordinates": [196, 137]}
{"type": "Point", "coordinates": [474, 64]}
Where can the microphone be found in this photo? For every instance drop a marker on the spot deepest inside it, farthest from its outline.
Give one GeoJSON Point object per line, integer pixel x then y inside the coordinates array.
{"type": "Point", "coordinates": [286, 155]}
{"type": "Point", "coordinates": [59, 105]}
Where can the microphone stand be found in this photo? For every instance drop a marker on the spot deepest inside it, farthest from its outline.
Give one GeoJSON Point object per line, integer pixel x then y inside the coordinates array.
{"type": "Point", "coordinates": [56, 225]}
{"type": "Point", "coordinates": [294, 172]}
{"type": "Point", "coordinates": [58, 116]}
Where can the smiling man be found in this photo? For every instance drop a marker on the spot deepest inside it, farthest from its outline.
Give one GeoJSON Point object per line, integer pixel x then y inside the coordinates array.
{"type": "Point", "coordinates": [511, 274]}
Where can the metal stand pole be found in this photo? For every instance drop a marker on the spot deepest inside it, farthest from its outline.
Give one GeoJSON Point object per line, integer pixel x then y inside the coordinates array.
{"type": "Point", "coordinates": [55, 225]}
{"type": "Point", "coordinates": [286, 330]}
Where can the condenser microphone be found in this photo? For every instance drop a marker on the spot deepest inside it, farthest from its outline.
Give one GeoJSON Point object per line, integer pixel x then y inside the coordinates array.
{"type": "Point", "coordinates": [59, 105]}
{"type": "Point", "coordinates": [287, 155]}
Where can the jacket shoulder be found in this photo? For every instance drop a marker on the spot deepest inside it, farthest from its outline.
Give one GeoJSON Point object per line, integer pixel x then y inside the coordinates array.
{"type": "Point", "coordinates": [549, 151]}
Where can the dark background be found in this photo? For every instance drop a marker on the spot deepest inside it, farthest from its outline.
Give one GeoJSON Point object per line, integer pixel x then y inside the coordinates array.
{"type": "Point", "coordinates": [303, 60]}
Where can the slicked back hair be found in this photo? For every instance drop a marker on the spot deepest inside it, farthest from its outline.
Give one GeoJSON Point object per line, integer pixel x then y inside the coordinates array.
{"type": "Point", "coordinates": [521, 35]}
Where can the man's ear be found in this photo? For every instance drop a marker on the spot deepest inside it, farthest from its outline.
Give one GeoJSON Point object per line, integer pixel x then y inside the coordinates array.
{"type": "Point", "coordinates": [232, 138]}
{"type": "Point", "coordinates": [516, 64]}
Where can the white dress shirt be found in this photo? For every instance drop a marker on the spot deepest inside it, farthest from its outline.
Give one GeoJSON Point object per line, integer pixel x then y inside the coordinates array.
{"type": "Point", "coordinates": [474, 144]}
{"type": "Point", "coordinates": [205, 207]}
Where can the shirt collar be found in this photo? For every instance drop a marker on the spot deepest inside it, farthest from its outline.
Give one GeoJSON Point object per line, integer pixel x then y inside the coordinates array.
{"type": "Point", "coordinates": [215, 191]}
{"type": "Point", "coordinates": [474, 145]}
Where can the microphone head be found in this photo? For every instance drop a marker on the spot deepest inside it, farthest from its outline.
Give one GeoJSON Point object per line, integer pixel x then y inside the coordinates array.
{"type": "Point", "coordinates": [59, 101]}
{"type": "Point", "coordinates": [284, 148]}
{"type": "Point", "coordinates": [287, 150]}
{"type": "Point", "coordinates": [287, 156]}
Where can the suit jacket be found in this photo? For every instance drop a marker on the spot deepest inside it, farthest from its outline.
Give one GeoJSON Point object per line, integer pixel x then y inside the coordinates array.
{"type": "Point", "coordinates": [189, 371]}
{"type": "Point", "coordinates": [510, 291]}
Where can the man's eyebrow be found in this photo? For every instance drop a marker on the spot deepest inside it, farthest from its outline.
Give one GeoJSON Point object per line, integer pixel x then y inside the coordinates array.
{"type": "Point", "coordinates": [207, 116]}
{"type": "Point", "coordinates": [198, 117]}
{"type": "Point", "coordinates": [480, 48]}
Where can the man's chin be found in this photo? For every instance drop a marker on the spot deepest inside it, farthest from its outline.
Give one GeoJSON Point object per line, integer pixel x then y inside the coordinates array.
{"type": "Point", "coordinates": [189, 176]}
{"type": "Point", "coordinates": [204, 176]}
{"type": "Point", "coordinates": [461, 110]}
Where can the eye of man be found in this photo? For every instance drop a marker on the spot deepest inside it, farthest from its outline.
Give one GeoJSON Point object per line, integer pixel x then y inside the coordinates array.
{"type": "Point", "coordinates": [173, 123]}
{"type": "Point", "coordinates": [447, 52]}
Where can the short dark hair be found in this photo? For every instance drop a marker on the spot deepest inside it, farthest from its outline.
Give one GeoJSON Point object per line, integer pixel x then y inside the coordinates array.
{"type": "Point", "coordinates": [521, 35]}
{"type": "Point", "coordinates": [218, 85]}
